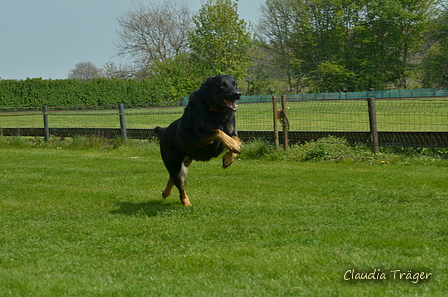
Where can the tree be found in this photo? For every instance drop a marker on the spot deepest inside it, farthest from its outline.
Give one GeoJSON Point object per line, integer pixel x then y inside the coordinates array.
{"type": "Point", "coordinates": [221, 39]}
{"type": "Point", "coordinates": [179, 75]}
{"type": "Point", "coordinates": [302, 34]}
{"type": "Point", "coordinates": [334, 78]}
{"type": "Point", "coordinates": [111, 70]}
{"type": "Point", "coordinates": [154, 33]}
{"type": "Point", "coordinates": [434, 66]}
{"type": "Point", "coordinates": [368, 43]}
{"type": "Point", "coordinates": [394, 32]}
{"type": "Point", "coordinates": [274, 30]}
{"type": "Point", "coordinates": [84, 71]}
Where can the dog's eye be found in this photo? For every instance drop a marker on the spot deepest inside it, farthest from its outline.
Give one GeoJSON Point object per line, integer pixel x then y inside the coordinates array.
{"type": "Point", "coordinates": [223, 86]}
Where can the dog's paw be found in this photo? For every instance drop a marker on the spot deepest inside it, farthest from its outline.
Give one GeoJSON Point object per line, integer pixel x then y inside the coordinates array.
{"type": "Point", "coordinates": [228, 159]}
{"type": "Point", "coordinates": [238, 145]}
{"type": "Point", "coordinates": [226, 163]}
{"type": "Point", "coordinates": [187, 203]}
{"type": "Point", "coordinates": [184, 199]}
{"type": "Point", "coordinates": [235, 147]}
{"type": "Point", "coordinates": [224, 166]}
{"type": "Point", "coordinates": [166, 193]}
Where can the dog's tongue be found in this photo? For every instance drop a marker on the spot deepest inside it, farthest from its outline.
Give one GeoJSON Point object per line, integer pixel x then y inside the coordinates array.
{"type": "Point", "coordinates": [232, 104]}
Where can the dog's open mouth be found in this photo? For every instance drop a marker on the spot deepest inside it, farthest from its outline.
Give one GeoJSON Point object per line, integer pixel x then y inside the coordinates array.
{"type": "Point", "coordinates": [231, 104]}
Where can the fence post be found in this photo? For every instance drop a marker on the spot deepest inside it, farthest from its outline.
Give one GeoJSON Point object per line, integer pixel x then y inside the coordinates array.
{"type": "Point", "coordinates": [275, 116]}
{"type": "Point", "coordinates": [46, 126]}
{"type": "Point", "coordinates": [124, 133]}
{"type": "Point", "coordinates": [284, 124]}
{"type": "Point", "coordinates": [373, 125]}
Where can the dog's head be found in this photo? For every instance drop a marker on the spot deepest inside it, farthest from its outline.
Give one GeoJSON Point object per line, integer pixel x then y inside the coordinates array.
{"type": "Point", "coordinates": [222, 93]}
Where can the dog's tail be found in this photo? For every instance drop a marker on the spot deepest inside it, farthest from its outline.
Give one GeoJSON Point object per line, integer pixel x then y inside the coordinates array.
{"type": "Point", "coordinates": [159, 131]}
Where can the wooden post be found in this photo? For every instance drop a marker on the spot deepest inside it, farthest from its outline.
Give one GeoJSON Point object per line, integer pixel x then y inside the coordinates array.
{"type": "Point", "coordinates": [275, 116]}
{"type": "Point", "coordinates": [284, 124]}
{"type": "Point", "coordinates": [373, 125]}
{"type": "Point", "coordinates": [124, 133]}
{"type": "Point", "coordinates": [46, 126]}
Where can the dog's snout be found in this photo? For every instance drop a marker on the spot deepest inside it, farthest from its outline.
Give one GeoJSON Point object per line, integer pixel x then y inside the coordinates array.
{"type": "Point", "coordinates": [237, 94]}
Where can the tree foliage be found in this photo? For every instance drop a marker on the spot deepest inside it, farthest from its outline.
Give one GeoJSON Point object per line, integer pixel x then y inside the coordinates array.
{"type": "Point", "coordinates": [221, 39]}
{"type": "Point", "coordinates": [183, 74]}
{"type": "Point", "coordinates": [434, 66]}
{"type": "Point", "coordinates": [368, 43]}
{"type": "Point", "coordinates": [275, 29]}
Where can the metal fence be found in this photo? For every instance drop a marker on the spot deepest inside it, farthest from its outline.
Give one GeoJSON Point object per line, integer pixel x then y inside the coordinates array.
{"type": "Point", "coordinates": [402, 122]}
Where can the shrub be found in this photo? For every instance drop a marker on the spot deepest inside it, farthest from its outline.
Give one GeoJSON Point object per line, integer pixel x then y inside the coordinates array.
{"type": "Point", "coordinates": [256, 149]}
{"type": "Point", "coordinates": [71, 92]}
{"type": "Point", "coordinates": [326, 149]}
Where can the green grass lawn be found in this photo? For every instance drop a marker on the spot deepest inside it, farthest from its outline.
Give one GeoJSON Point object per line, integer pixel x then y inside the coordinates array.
{"type": "Point", "coordinates": [93, 223]}
{"type": "Point", "coordinates": [339, 115]}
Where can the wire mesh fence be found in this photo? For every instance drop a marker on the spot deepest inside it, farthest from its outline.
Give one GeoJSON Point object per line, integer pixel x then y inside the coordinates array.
{"type": "Point", "coordinates": [400, 122]}
{"type": "Point", "coordinates": [328, 115]}
{"type": "Point", "coordinates": [412, 115]}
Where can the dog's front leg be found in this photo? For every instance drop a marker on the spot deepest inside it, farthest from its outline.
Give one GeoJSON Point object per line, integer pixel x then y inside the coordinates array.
{"type": "Point", "coordinates": [233, 144]}
{"type": "Point", "coordinates": [230, 156]}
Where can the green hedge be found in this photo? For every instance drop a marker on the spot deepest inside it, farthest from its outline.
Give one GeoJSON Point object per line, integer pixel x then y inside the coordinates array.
{"type": "Point", "coordinates": [100, 91]}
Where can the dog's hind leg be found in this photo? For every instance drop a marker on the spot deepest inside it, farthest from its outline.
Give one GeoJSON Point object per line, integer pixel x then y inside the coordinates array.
{"type": "Point", "coordinates": [178, 172]}
{"type": "Point", "coordinates": [169, 189]}
{"type": "Point", "coordinates": [179, 182]}
{"type": "Point", "coordinates": [182, 184]}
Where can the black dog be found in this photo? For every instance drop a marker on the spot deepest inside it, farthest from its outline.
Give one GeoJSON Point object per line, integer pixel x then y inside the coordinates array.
{"type": "Point", "coordinates": [204, 130]}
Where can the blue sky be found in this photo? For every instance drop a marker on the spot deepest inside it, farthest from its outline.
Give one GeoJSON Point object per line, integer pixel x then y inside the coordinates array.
{"type": "Point", "coordinates": [46, 38]}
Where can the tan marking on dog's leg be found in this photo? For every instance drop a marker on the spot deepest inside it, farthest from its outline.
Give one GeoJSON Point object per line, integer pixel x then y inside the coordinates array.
{"type": "Point", "coordinates": [184, 198]}
{"type": "Point", "coordinates": [228, 159]}
{"type": "Point", "coordinates": [230, 156]}
{"type": "Point", "coordinates": [238, 142]}
{"type": "Point", "coordinates": [231, 143]}
{"type": "Point", "coordinates": [169, 189]}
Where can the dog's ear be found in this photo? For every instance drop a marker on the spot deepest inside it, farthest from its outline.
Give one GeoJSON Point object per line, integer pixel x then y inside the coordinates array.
{"type": "Point", "coordinates": [208, 83]}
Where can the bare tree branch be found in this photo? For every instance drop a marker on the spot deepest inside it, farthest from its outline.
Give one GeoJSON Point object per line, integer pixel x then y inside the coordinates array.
{"type": "Point", "coordinates": [155, 32]}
